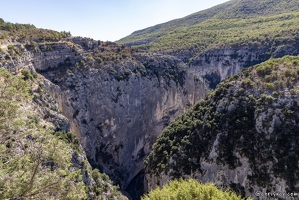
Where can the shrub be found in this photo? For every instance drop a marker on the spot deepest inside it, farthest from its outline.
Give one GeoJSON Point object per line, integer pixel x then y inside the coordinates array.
{"type": "Point", "coordinates": [190, 189]}
{"type": "Point", "coordinates": [68, 138]}
{"type": "Point", "coordinates": [99, 59]}
{"type": "Point", "coordinates": [49, 48]}
{"type": "Point", "coordinates": [268, 78]}
{"type": "Point", "coordinates": [247, 83]}
{"type": "Point", "coordinates": [288, 72]}
{"type": "Point", "coordinates": [294, 91]}
{"type": "Point", "coordinates": [10, 47]}
{"type": "Point", "coordinates": [269, 86]}
{"type": "Point", "coordinates": [27, 74]}
{"type": "Point", "coordinates": [90, 58]}
{"type": "Point", "coordinates": [7, 57]}
{"type": "Point", "coordinates": [263, 70]}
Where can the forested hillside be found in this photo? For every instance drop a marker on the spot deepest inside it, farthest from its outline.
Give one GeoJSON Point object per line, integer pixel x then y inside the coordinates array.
{"type": "Point", "coordinates": [237, 23]}
{"type": "Point", "coordinates": [247, 129]}
{"type": "Point", "coordinates": [28, 31]}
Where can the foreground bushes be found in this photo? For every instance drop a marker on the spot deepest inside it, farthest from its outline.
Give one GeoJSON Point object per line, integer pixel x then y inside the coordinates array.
{"type": "Point", "coordinates": [190, 189]}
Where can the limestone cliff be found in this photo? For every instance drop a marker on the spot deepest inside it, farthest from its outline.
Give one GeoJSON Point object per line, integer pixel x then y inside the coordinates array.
{"type": "Point", "coordinates": [119, 99]}
{"type": "Point", "coordinates": [120, 109]}
{"type": "Point", "coordinates": [216, 64]}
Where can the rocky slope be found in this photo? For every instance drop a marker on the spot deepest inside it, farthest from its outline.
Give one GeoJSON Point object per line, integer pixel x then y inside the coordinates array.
{"type": "Point", "coordinates": [241, 136]}
{"type": "Point", "coordinates": [40, 158]}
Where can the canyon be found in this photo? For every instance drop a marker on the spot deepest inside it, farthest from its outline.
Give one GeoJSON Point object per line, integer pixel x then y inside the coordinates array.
{"type": "Point", "coordinates": [119, 109]}
{"type": "Point", "coordinates": [135, 102]}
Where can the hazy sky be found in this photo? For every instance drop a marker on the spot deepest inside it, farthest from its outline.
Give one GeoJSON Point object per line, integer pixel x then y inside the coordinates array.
{"type": "Point", "coordinates": [99, 19]}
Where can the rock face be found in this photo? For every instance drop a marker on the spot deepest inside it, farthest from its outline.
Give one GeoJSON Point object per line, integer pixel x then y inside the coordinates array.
{"type": "Point", "coordinates": [118, 115]}
{"type": "Point", "coordinates": [215, 65]}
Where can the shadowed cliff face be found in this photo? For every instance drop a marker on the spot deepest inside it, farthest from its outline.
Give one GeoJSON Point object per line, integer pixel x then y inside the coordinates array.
{"type": "Point", "coordinates": [215, 65]}
{"type": "Point", "coordinates": [120, 109]}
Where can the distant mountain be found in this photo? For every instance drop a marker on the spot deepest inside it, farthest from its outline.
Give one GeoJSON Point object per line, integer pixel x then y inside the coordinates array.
{"type": "Point", "coordinates": [234, 23]}
{"type": "Point", "coordinates": [150, 34]}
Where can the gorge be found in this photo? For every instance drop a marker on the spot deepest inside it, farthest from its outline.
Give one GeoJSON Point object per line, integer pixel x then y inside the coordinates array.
{"type": "Point", "coordinates": [117, 98]}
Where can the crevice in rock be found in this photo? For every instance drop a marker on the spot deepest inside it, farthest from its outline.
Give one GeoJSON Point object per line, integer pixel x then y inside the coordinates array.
{"type": "Point", "coordinates": [136, 187]}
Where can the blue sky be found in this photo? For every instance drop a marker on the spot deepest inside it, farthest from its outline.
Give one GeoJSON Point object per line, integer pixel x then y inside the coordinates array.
{"type": "Point", "coordinates": [99, 19]}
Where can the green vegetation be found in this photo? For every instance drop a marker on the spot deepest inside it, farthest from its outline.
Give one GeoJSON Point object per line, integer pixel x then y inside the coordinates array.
{"type": "Point", "coordinates": [268, 23]}
{"type": "Point", "coordinates": [27, 75]}
{"type": "Point", "coordinates": [251, 8]}
{"type": "Point", "coordinates": [35, 161]}
{"type": "Point", "coordinates": [246, 115]}
{"type": "Point", "coordinates": [108, 52]}
{"type": "Point", "coordinates": [29, 31]}
{"type": "Point", "coordinates": [190, 189]}
{"type": "Point", "coordinates": [68, 138]}
{"type": "Point", "coordinates": [268, 31]}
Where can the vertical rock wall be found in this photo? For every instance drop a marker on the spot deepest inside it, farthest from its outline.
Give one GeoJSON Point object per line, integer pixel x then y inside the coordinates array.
{"type": "Point", "coordinates": [119, 115]}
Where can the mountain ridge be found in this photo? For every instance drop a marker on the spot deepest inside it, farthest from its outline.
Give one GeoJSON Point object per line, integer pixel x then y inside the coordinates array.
{"type": "Point", "coordinates": [184, 20]}
{"type": "Point", "coordinates": [192, 34]}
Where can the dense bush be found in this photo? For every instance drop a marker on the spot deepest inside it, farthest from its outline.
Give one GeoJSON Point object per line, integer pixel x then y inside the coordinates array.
{"type": "Point", "coordinates": [27, 74]}
{"type": "Point", "coordinates": [190, 189]}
